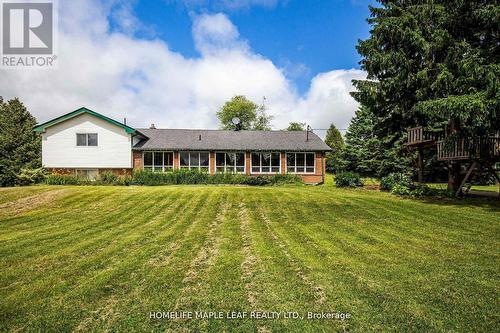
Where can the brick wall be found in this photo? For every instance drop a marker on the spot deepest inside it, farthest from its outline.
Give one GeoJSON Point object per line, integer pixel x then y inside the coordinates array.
{"type": "Point", "coordinates": [316, 178]}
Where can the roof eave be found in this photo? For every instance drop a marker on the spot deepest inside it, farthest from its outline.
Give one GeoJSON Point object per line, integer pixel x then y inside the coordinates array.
{"type": "Point", "coordinates": [41, 128]}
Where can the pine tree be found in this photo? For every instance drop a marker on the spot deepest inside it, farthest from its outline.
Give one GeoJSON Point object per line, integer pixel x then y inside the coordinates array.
{"type": "Point", "coordinates": [335, 141]}
{"type": "Point", "coordinates": [20, 147]}
{"type": "Point", "coordinates": [431, 63]}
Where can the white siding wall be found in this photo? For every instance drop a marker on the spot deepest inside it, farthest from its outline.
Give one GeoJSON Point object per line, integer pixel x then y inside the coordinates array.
{"type": "Point", "coordinates": [59, 148]}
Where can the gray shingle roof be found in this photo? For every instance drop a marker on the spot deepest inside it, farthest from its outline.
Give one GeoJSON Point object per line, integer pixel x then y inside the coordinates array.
{"type": "Point", "coordinates": [189, 139]}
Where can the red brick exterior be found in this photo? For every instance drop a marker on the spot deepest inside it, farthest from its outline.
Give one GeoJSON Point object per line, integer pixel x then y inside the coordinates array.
{"type": "Point", "coordinates": [72, 171]}
{"type": "Point", "coordinates": [316, 178]}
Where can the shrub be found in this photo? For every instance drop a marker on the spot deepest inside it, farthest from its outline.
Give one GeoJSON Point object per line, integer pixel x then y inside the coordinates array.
{"type": "Point", "coordinates": [55, 179]}
{"type": "Point", "coordinates": [31, 176]}
{"type": "Point", "coordinates": [107, 178]}
{"type": "Point", "coordinates": [403, 180]}
{"type": "Point", "coordinates": [184, 176]}
{"type": "Point", "coordinates": [175, 177]}
{"type": "Point", "coordinates": [348, 179]}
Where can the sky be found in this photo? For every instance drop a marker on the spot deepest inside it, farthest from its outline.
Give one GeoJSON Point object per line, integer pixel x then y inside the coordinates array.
{"type": "Point", "coordinates": [175, 62]}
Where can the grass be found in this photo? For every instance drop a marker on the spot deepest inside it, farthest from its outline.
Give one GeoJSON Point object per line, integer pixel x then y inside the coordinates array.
{"type": "Point", "coordinates": [102, 258]}
{"type": "Point", "coordinates": [487, 188]}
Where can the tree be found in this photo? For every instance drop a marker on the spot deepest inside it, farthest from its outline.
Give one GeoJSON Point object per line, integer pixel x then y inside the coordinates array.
{"type": "Point", "coordinates": [296, 126]}
{"type": "Point", "coordinates": [431, 63]}
{"type": "Point", "coordinates": [263, 121]}
{"type": "Point", "coordinates": [251, 115]}
{"type": "Point", "coordinates": [20, 147]}
{"type": "Point", "coordinates": [336, 142]}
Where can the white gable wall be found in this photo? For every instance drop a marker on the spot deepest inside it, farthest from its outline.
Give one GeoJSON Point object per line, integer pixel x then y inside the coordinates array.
{"type": "Point", "coordinates": [59, 149]}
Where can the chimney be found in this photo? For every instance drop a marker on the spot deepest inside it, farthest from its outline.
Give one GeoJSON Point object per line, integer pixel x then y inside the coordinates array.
{"type": "Point", "coordinates": [124, 121]}
{"type": "Point", "coordinates": [152, 126]}
{"type": "Point", "coordinates": [199, 138]}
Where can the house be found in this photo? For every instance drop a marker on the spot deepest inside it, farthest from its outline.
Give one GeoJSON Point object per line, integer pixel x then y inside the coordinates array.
{"type": "Point", "coordinates": [86, 143]}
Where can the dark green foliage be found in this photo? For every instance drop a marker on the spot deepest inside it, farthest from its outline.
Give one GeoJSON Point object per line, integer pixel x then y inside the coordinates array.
{"type": "Point", "coordinates": [348, 179]}
{"type": "Point", "coordinates": [296, 126]}
{"type": "Point", "coordinates": [429, 62]}
{"type": "Point", "coordinates": [20, 147]}
{"type": "Point", "coordinates": [31, 176]}
{"type": "Point", "coordinates": [335, 141]}
{"type": "Point", "coordinates": [175, 177]}
{"type": "Point", "coordinates": [402, 184]}
{"type": "Point", "coordinates": [251, 115]}
{"type": "Point", "coordinates": [194, 177]}
{"type": "Point", "coordinates": [108, 178]}
{"type": "Point", "coordinates": [362, 152]}
{"type": "Point", "coordinates": [387, 183]}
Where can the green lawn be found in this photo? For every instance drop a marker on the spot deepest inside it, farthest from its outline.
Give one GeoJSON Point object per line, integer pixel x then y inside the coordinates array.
{"type": "Point", "coordinates": [102, 258]}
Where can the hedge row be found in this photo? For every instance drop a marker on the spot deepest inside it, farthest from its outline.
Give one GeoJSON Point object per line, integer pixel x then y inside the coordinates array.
{"type": "Point", "coordinates": [175, 177]}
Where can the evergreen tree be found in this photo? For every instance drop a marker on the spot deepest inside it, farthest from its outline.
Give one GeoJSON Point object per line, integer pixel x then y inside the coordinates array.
{"type": "Point", "coordinates": [362, 152]}
{"type": "Point", "coordinates": [431, 63]}
{"type": "Point", "coordinates": [336, 142]}
{"type": "Point", "coordinates": [20, 147]}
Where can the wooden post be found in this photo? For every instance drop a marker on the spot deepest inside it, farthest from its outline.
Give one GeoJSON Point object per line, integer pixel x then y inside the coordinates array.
{"type": "Point", "coordinates": [420, 165]}
{"type": "Point", "coordinates": [454, 166]}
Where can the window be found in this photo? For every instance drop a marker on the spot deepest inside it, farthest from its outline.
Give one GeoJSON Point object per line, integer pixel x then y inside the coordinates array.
{"type": "Point", "coordinates": [230, 162]}
{"type": "Point", "coordinates": [89, 174]}
{"type": "Point", "coordinates": [300, 162]}
{"type": "Point", "coordinates": [158, 161]}
{"type": "Point", "coordinates": [266, 162]}
{"type": "Point", "coordinates": [194, 160]}
{"type": "Point", "coordinates": [86, 139]}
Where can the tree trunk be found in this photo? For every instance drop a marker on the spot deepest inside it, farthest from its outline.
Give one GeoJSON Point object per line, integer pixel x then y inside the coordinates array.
{"type": "Point", "coordinates": [454, 178]}
{"type": "Point", "coordinates": [420, 165]}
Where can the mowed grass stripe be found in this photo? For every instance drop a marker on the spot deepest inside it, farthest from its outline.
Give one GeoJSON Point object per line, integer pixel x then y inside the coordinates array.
{"type": "Point", "coordinates": [292, 244]}
{"type": "Point", "coordinates": [45, 224]}
{"type": "Point", "coordinates": [282, 288]}
{"type": "Point", "coordinates": [77, 249]}
{"type": "Point", "coordinates": [165, 282]}
{"type": "Point", "coordinates": [67, 240]}
{"type": "Point", "coordinates": [383, 268]}
{"type": "Point", "coordinates": [111, 253]}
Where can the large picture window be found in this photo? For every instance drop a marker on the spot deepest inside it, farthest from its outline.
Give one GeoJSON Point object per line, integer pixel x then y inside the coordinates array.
{"type": "Point", "coordinates": [158, 161]}
{"type": "Point", "coordinates": [230, 162]}
{"type": "Point", "coordinates": [194, 160]}
{"type": "Point", "coordinates": [86, 139]}
{"type": "Point", "coordinates": [266, 162]}
{"type": "Point", "coordinates": [300, 162]}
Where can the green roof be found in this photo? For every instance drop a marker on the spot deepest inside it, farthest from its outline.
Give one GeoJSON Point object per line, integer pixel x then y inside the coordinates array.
{"type": "Point", "coordinates": [43, 127]}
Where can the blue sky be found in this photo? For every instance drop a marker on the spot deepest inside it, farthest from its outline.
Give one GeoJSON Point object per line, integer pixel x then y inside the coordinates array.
{"type": "Point", "coordinates": [176, 62]}
{"type": "Point", "coordinates": [313, 36]}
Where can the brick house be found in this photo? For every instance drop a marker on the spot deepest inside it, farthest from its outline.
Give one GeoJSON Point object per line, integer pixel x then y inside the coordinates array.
{"type": "Point", "coordinates": [86, 143]}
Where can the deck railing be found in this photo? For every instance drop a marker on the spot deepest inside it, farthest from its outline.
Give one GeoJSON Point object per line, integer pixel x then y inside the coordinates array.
{"type": "Point", "coordinates": [467, 148]}
{"type": "Point", "coordinates": [418, 135]}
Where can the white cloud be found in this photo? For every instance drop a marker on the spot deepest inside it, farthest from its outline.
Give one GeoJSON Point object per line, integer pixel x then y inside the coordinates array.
{"type": "Point", "coordinates": [143, 80]}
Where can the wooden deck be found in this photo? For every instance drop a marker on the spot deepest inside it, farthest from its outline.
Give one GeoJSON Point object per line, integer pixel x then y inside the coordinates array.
{"type": "Point", "coordinates": [418, 136]}
{"type": "Point", "coordinates": [469, 148]}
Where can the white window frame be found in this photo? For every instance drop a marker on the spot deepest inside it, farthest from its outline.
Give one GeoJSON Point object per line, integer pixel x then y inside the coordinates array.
{"type": "Point", "coordinates": [152, 166]}
{"type": "Point", "coordinates": [234, 166]}
{"type": "Point", "coordinates": [260, 163]}
{"type": "Point", "coordinates": [86, 140]}
{"type": "Point", "coordinates": [305, 163]}
{"type": "Point", "coordinates": [189, 166]}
